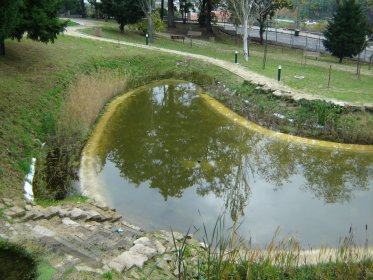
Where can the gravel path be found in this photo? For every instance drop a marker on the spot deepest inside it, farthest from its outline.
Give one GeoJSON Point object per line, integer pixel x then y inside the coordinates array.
{"type": "Point", "coordinates": [278, 88]}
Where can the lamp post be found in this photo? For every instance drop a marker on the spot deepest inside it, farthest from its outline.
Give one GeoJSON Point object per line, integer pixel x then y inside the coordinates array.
{"type": "Point", "coordinates": [236, 57]}
{"type": "Point", "coordinates": [279, 73]}
{"type": "Point", "coordinates": [147, 39]}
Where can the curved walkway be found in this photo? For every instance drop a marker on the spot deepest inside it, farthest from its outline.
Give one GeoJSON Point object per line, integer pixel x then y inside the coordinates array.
{"type": "Point", "coordinates": [278, 88]}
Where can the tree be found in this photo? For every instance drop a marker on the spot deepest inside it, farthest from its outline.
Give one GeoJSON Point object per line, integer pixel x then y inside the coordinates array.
{"type": "Point", "coordinates": [70, 6]}
{"type": "Point", "coordinates": [96, 8]}
{"type": "Point", "coordinates": [82, 8]}
{"type": "Point", "coordinates": [161, 10]}
{"type": "Point", "coordinates": [124, 11]}
{"type": "Point", "coordinates": [170, 13]}
{"type": "Point", "coordinates": [185, 7]}
{"type": "Point", "coordinates": [208, 15]}
{"type": "Point", "coordinates": [205, 15]}
{"type": "Point", "coordinates": [38, 19]}
{"type": "Point", "coordinates": [347, 30]}
{"type": "Point", "coordinates": [9, 17]}
{"type": "Point", "coordinates": [243, 11]}
{"type": "Point", "coordinates": [267, 8]}
{"type": "Point", "coordinates": [148, 6]}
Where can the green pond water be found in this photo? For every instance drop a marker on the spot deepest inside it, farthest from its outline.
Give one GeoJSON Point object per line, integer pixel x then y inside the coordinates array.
{"type": "Point", "coordinates": [166, 159]}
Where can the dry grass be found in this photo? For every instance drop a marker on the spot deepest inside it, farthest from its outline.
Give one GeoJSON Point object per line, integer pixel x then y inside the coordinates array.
{"type": "Point", "coordinates": [86, 98]}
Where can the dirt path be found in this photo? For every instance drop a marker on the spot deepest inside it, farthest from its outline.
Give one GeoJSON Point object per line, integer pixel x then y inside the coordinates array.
{"type": "Point", "coordinates": [278, 88]}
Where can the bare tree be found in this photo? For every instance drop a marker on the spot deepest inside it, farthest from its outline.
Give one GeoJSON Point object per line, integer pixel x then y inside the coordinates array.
{"type": "Point", "coordinates": [243, 11]}
{"type": "Point", "coordinates": [148, 6]}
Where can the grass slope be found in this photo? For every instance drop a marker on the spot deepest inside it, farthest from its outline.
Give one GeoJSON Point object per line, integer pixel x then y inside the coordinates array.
{"type": "Point", "coordinates": [32, 76]}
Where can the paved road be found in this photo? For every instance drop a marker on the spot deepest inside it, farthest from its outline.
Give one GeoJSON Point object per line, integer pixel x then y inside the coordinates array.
{"type": "Point", "coordinates": [304, 40]}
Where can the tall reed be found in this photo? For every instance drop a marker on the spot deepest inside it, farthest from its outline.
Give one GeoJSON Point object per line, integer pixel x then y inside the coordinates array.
{"type": "Point", "coordinates": [227, 256]}
{"type": "Point", "coordinates": [85, 99]}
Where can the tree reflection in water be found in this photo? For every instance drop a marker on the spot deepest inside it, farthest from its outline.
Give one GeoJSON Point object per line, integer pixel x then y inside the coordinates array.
{"type": "Point", "coordinates": [169, 138]}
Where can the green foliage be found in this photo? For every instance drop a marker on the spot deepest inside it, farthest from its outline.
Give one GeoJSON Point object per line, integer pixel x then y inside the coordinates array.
{"type": "Point", "coordinates": [268, 8]}
{"type": "Point", "coordinates": [124, 11]}
{"type": "Point", "coordinates": [72, 23]}
{"type": "Point", "coordinates": [9, 13]}
{"type": "Point", "coordinates": [347, 30]}
{"type": "Point", "coordinates": [70, 6]}
{"type": "Point", "coordinates": [317, 9]}
{"type": "Point", "coordinates": [46, 271]}
{"type": "Point", "coordinates": [40, 20]}
{"type": "Point", "coordinates": [107, 275]}
{"type": "Point", "coordinates": [158, 24]}
{"type": "Point", "coordinates": [9, 17]}
{"type": "Point", "coordinates": [16, 262]}
{"type": "Point", "coordinates": [185, 8]}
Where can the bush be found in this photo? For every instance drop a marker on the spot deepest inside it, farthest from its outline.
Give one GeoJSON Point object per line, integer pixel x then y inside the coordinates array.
{"type": "Point", "coordinates": [142, 26]}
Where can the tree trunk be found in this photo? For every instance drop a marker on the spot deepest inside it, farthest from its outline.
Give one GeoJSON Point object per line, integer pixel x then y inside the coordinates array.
{"type": "Point", "coordinates": [2, 46]}
{"type": "Point", "coordinates": [170, 14]}
{"type": "Point", "coordinates": [161, 11]}
{"type": "Point", "coordinates": [261, 30]}
{"type": "Point", "coordinates": [96, 10]}
{"type": "Point", "coordinates": [82, 7]}
{"type": "Point", "coordinates": [208, 16]}
{"type": "Point", "coordinates": [150, 29]}
{"type": "Point", "coordinates": [202, 14]}
{"type": "Point", "coordinates": [245, 39]}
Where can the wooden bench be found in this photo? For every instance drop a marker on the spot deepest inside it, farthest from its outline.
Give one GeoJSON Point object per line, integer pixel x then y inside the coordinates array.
{"type": "Point", "coordinates": [178, 37]}
{"type": "Point", "coordinates": [192, 34]}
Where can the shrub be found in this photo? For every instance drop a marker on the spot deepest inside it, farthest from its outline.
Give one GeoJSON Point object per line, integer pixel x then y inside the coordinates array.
{"type": "Point", "coordinates": [142, 26]}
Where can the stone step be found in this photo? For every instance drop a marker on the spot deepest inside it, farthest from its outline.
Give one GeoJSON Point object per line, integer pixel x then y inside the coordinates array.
{"type": "Point", "coordinates": [15, 212]}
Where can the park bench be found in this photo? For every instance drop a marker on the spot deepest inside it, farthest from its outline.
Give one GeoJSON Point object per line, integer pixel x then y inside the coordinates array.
{"type": "Point", "coordinates": [192, 34]}
{"type": "Point", "coordinates": [178, 37]}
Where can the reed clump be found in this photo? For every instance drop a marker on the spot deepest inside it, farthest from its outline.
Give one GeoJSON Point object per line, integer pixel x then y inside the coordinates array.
{"type": "Point", "coordinates": [225, 255]}
{"type": "Point", "coordinates": [85, 98]}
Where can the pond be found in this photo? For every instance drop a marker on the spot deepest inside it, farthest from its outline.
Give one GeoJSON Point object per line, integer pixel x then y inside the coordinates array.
{"type": "Point", "coordinates": [166, 156]}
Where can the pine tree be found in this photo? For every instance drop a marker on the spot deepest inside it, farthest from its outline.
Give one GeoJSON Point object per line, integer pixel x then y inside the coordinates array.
{"type": "Point", "coordinates": [9, 17]}
{"type": "Point", "coordinates": [37, 18]}
{"type": "Point", "coordinates": [124, 11]}
{"type": "Point", "coordinates": [347, 30]}
{"type": "Point", "coordinates": [40, 20]}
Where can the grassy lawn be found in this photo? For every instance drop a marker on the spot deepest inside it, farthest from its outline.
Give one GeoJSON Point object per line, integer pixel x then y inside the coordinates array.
{"type": "Point", "coordinates": [344, 85]}
{"type": "Point", "coordinates": [32, 76]}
